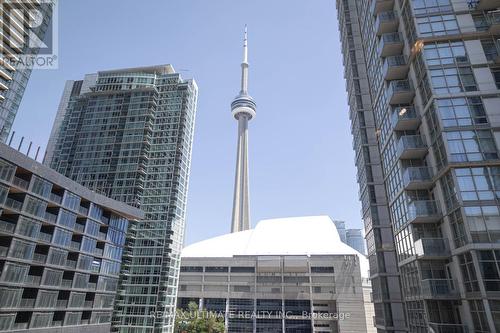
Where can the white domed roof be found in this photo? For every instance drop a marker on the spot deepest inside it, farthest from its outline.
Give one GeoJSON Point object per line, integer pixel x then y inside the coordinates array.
{"type": "Point", "coordinates": [309, 235]}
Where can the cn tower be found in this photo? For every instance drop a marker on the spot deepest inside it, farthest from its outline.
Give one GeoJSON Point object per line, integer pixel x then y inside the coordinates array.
{"type": "Point", "coordinates": [243, 109]}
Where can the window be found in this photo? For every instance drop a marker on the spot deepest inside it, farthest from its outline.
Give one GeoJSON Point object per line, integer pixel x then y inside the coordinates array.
{"type": "Point", "coordinates": [35, 206]}
{"type": "Point", "coordinates": [480, 22]}
{"type": "Point", "coordinates": [62, 237]}
{"type": "Point", "coordinates": [22, 250]}
{"type": "Point", "coordinates": [192, 269]}
{"type": "Point", "coordinates": [468, 272]}
{"type": "Point", "coordinates": [52, 277]}
{"type": "Point", "coordinates": [216, 269]}
{"type": "Point", "coordinates": [470, 146]}
{"type": "Point", "coordinates": [437, 25]}
{"type": "Point", "coordinates": [14, 272]}
{"type": "Point", "coordinates": [422, 7]}
{"type": "Point", "coordinates": [66, 219]}
{"type": "Point", "coordinates": [489, 262]}
{"type": "Point", "coordinates": [41, 186]}
{"type": "Point", "coordinates": [28, 227]}
{"type": "Point", "coordinates": [445, 53]}
{"type": "Point", "coordinates": [242, 269]}
{"type": "Point", "coordinates": [452, 80]}
{"type": "Point", "coordinates": [461, 111]}
{"type": "Point", "coordinates": [496, 76]}
{"type": "Point", "coordinates": [478, 183]}
{"type": "Point", "coordinates": [71, 201]}
{"type": "Point", "coordinates": [484, 223]}
{"type": "Point", "coordinates": [495, 312]}
{"type": "Point", "coordinates": [322, 269]}
{"type": "Point", "coordinates": [490, 49]}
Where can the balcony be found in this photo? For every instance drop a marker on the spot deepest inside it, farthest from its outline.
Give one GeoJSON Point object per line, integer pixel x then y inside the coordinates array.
{"type": "Point", "coordinates": [432, 248]}
{"type": "Point", "coordinates": [55, 198]}
{"type": "Point", "coordinates": [45, 237]}
{"type": "Point", "coordinates": [51, 218]}
{"type": "Point", "coordinates": [449, 328]}
{"type": "Point", "coordinates": [3, 251]}
{"type": "Point", "coordinates": [417, 178]}
{"type": "Point", "coordinates": [400, 92]}
{"type": "Point", "coordinates": [27, 303]}
{"type": "Point", "coordinates": [379, 6]}
{"type": "Point", "coordinates": [21, 183]}
{"type": "Point", "coordinates": [390, 44]}
{"type": "Point", "coordinates": [493, 19]}
{"type": "Point", "coordinates": [386, 22]}
{"type": "Point", "coordinates": [487, 4]}
{"type": "Point", "coordinates": [39, 258]}
{"type": "Point", "coordinates": [423, 211]}
{"type": "Point", "coordinates": [7, 227]}
{"type": "Point", "coordinates": [405, 118]}
{"type": "Point", "coordinates": [439, 289]}
{"type": "Point", "coordinates": [411, 147]}
{"type": "Point", "coordinates": [395, 68]}
{"type": "Point", "coordinates": [13, 204]}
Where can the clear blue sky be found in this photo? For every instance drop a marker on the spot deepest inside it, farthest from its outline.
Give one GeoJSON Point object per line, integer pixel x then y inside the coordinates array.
{"type": "Point", "coordinates": [301, 157]}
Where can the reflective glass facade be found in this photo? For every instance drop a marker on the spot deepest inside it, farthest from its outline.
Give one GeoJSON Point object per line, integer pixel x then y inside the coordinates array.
{"type": "Point", "coordinates": [424, 103]}
{"type": "Point", "coordinates": [13, 78]}
{"type": "Point", "coordinates": [129, 135]}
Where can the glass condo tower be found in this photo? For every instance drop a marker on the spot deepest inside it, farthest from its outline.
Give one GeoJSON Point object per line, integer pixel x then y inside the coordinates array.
{"type": "Point", "coordinates": [423, 81]}
{"type": "Point", "coordinates": [128, 134]}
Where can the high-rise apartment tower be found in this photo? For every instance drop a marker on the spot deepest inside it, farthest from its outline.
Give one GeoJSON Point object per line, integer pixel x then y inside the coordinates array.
{"type": "Point", "coordinates": [423, 81]}
{"type": "Point", "coordinates": [128, 133]}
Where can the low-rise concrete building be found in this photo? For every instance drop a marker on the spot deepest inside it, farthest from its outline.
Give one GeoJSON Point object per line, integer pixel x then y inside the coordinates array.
{"type": "Point", "coordinates": [285, 275]}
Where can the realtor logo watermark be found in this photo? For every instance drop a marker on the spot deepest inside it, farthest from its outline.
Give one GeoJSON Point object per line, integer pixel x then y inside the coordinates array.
{"type": "Point", "coordinates": [29, 34]}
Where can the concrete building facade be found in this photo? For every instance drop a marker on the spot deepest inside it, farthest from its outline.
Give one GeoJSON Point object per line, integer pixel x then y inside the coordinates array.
{"type": "Point", "coordinates": [423, 85]}
{"type": "Point", "coordinates": [60, 250]}
{"type": "Point", "coordinates": [128, 133]}
{"type": "Point", "coordinates": [305, 280]}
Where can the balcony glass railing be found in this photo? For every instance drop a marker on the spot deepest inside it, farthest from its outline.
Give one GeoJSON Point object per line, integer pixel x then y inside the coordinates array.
{"type": "Point", "coordinates": [7, 227]}
{"type": "Point", "coordinates": [434, 247]}
{"type": "Point", "coordinates": [45, 237]}
{"type": "Point", "coordinates": [390, 38]}
{"type": "Point", "coordinates": [410, 142]}
{"type": "Point", "coordinates": [422, 208]}
{"type": "Point", "coordinates": [14, 204]}
{"type": "Point", "coordinates": [449, 328]}
{"type": "Point", "coordinates": [439, 287]}
{"type": "Point", "coordinates": [493, 18]}
{"type": "Point", "coordinates": [417, 174]}
{"type": "Point", "coordinates": [55, 198]}
{"type": "Point", "coordinates": [403, 113]}
{"type": "Point", "coordinates": [399, 86]}
{"type": "Point", "coordinates": [21, 183]}
{"type": "Point", "coordinates": [386, 16]}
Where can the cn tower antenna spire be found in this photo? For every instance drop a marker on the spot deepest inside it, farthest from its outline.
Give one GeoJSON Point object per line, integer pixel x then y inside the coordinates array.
{"type": "Point", "coordinates": [244, 65]}
{"type": "Point", "coordinates": [243, 109]}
